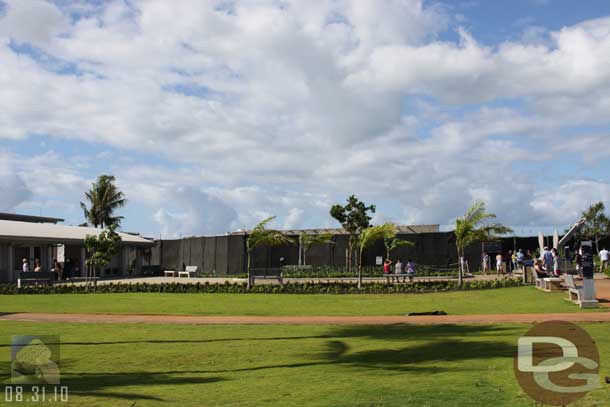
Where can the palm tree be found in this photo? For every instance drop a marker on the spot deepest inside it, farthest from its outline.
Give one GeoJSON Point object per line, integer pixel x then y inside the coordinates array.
{"type": "Point", "coordinates": [260, 236]}
{"type": "Point", "coordinates": [394, 243]}
{"type": "Point", "coordinates": [104, 198]}
{"type": "Point", "coordinates": [473, 227]}
{"type": "Point", "coordinates": [307, 241]}
{"type": "Point", "coordinates": [370, 235]}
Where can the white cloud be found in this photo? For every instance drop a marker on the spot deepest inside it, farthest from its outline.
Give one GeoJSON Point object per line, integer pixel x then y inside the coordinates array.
{"type": "Point", "coordinates": [13, 187]}
{"type": "Point", "coordinates": [261, 110]}
{"type": "Point", "coordinates": [32, 21]}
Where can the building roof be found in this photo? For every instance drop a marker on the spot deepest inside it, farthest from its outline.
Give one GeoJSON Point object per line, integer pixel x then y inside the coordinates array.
{"type": "Point", "coordinates": [48, 232]}
{"type": "Point", "coordinates": [28, 218]}
{"type": "Point", "coordinates": [402, 230]}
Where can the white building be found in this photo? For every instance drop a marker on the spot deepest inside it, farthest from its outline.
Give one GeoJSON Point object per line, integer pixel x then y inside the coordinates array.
{"type": "Point", "coordinates": [39, 238]}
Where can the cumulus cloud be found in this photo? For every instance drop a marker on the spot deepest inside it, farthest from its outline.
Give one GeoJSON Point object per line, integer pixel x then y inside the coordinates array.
{"type": "Point", "coordinates": [13, 187]}
{"type": "Point", "coordinates": [191, 212]}
{"type": "Point", "coordinates": [261, 108]}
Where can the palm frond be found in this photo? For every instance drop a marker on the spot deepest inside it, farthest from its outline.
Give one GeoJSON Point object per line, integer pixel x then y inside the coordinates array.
{"type": "Point", "coordinates": [260, 236]}
{"type": "Point", "coordinates": [374, 233]}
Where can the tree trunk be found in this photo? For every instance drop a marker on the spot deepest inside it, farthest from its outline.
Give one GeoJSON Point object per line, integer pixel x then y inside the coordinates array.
{"type": "Point", "coordinates": [460, 267]}
{"type": "Point", "coordinates": [597, 244]}
{"type": "Point", "coordinates": [350, 253]}
{"type": "Point", "coordinates": [249, 273]}
{"type": "Point", "coordinates": [360, 268]}
{"type": "Point", "coordinates": [301, 253]}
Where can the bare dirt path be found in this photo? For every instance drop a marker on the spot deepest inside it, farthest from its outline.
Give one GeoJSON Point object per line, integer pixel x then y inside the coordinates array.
{"type": "Point", "coordinates": [307, 320]}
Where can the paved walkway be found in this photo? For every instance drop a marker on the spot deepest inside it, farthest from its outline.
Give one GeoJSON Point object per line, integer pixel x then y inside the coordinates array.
{"type": "Point", "coordinates": [308, 320]}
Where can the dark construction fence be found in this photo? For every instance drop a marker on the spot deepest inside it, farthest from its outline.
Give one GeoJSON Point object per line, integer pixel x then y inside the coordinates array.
{"type": "Point", "coordinates": [222, 255]}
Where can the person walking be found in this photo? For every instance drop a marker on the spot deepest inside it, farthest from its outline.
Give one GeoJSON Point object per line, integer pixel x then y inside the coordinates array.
{"type": "Point", "coordinates": [604, 256]}
{"type": "Point", "coordinates": [387, 271]}
{"type": "Point", "coordinates": [556, 268]}
{"type": "Point", "coordinates": [411, 270]}
{"type": "Point", "coordinates": [547, 260]}
{"type": "Point", "coordinates": [520, 259]}
{"type": "Point", "coordinates": [499, 261]}
{"type": "Point", "coordinates": [57, 269]}
{"type": "Point", "coordinates": [399, 269]}
{"type": "Point", "coordinates": [485, 261]}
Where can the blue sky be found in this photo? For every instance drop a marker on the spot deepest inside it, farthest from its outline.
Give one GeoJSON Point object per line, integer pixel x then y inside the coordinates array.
{"type": "Point", "coordinates": [213, 115]}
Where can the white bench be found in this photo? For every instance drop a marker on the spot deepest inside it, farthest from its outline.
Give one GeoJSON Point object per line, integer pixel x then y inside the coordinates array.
{"type": "Point", "coordinates": [547, 284]}
{"type": "Point", "coordinates": [169, 273]}
{"type": "Point", "coordinates": [575, 292]}
{"type": "Point", "coordinates": [190, 271]}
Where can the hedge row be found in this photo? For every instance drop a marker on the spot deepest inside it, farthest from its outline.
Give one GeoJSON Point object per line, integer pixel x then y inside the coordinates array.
{"type": "Point", "coordinates": [368, 271]}
{"type": "Point", "coordinates": [290, 288]}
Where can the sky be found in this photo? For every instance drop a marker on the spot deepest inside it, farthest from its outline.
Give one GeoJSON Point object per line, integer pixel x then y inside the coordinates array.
{"type": "Point", "coordinates": [215, 114]}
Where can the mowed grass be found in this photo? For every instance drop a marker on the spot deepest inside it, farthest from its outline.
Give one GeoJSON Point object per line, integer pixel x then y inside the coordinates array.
{"type": "Point", "coordinates": [497, 301]}
{"type": "Point", "coordinates": [154, 365]}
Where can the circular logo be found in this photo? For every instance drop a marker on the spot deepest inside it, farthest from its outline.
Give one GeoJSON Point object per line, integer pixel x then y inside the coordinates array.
{"type": "Point", "coordinates": [557, 363]}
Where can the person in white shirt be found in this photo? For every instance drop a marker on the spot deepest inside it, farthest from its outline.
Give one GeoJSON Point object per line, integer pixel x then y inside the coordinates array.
{"type": "Point", "coordinates": [604, 255]}
{"type": "Point", "coordinates": [26, 266]}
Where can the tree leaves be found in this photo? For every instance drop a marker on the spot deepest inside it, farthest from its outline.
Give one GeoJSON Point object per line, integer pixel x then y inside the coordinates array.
{"type": "Point", "coordinates": [104, 198]}
{"type": "Point", "coordinates": [102, 248]}
{"type": "Point", "coordinates": [354, 215]}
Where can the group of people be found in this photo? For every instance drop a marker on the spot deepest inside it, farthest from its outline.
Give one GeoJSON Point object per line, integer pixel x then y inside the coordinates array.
{"type": "Point", "coordinates": [400, 269]}
{"type": "Point", "coordinates": [549, 261]}
{"type": "Point", "coordinates": [57, 267]}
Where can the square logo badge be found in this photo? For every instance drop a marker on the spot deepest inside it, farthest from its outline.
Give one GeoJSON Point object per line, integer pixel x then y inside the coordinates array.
{"type": "Point", "coordinates": [35, 359]}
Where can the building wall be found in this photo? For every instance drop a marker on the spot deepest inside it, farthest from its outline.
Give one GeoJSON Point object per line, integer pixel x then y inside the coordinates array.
{"type": "Point", "coordinates": [227, 254]}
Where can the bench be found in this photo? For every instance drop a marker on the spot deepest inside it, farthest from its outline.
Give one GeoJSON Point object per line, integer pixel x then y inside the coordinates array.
{"type": "Point", "coordinates": [190, 270]}
{"type": "Point", "coordinates": [36, 278]}
{"type": "Point", "coordinates": [266, 273]}
{"type": "Point", "coordinates": [548, 284]}
{"type": "Point", "coordinates": [169, 273]}
{"type": "Point", "coordinates": [575, 293]}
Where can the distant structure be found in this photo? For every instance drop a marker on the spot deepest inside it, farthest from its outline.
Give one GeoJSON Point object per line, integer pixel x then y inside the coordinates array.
{"type": "Point", "coordinates": [42, 238]}
{"type": "Point", "coordinates": [29, 218]}
{"type": "Point", "coordinates": [400, 229]}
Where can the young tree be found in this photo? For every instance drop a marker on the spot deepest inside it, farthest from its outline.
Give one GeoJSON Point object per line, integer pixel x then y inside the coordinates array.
{"type": "Point", "coordinates": [307, 241]}
{"type": "Point", "coordinates": [104, 199]}
{"type": "Point", "coordinates": [370, 235]}
{"type": "Point", "coordinates": [473, 227]}
{"type": "Point", "coordinates": [394, 243]}
{"type": "Point", "coordinates": [354, 218]}
{"type": "Point", "coordinates": [260, 236]}
{"type": "Point", "coordinates": [100, 249]}
{"type": "Point", "coordinates": [596, 224]}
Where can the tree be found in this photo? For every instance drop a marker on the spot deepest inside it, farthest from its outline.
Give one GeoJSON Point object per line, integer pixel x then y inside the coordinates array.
{"type": "Point", "coordinates": [596, 225]}
{"type": "Point", "coordinates": [307, 241]}
{"type": "Point", "coordinates": [394, 243]}
{"type": "Point", "coordinates": [260, 236]}
{"type": "Point", "coordinates": [354, 218]}
{"type": "Point", "coordinates": [104, 199]}
{"type": "Point", "coordinates": [100, 249]}
{"type": "Point", "coordinates": [369, 236]}
{"type": "Point", "coordinates": [473, 227]}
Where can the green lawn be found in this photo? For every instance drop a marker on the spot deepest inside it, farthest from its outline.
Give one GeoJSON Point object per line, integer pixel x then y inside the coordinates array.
{"type": "Point", "coordinates": [507, 300]}
{"type": "Point", "coordinates": [400, 365]}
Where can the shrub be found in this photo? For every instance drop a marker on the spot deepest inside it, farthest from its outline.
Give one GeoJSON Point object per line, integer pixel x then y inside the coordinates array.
{"type": "Point", "coordinates": [289, 288]}
{"type": "Point", "coordinates": [367, 271]}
